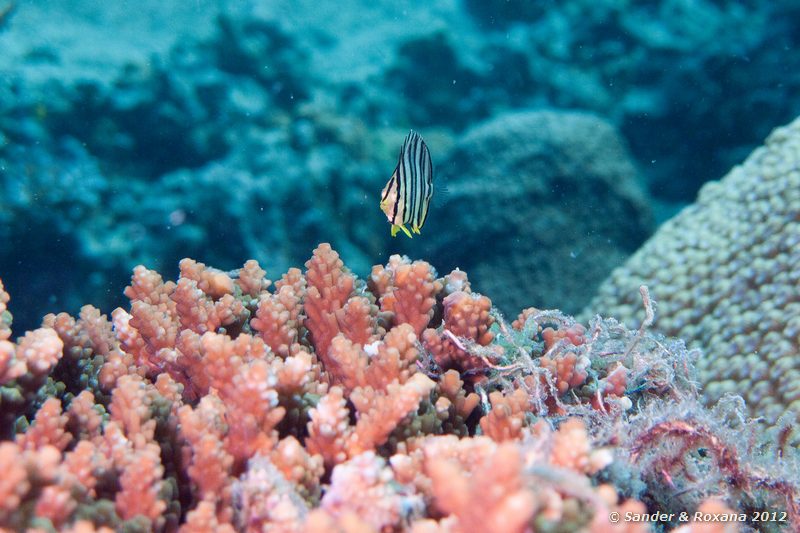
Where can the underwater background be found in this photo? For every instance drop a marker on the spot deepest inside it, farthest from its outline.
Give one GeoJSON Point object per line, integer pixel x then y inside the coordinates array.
{"type": "Point", "coordinates": [564, 133]}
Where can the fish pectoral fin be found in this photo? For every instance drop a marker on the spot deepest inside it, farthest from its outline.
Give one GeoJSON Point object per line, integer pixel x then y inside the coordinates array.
{"type": "Point", "coordinates": [415, 229]}
{"type": "Point", "coordinates": [395, 228]}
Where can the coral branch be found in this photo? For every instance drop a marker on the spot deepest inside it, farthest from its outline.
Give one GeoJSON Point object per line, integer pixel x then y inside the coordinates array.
{"type": "Point", "coordinates": [214, 403]}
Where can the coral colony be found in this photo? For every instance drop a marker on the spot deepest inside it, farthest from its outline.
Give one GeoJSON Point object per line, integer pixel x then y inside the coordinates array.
{"type": "Point", "coordinates": [727, 272]}
{"type": "Point", "coordinates": [320, 402]}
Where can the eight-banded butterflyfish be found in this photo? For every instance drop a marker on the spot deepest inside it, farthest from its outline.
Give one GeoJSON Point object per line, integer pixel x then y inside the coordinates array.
{"type": "Point", "coordinates": [406, 197]}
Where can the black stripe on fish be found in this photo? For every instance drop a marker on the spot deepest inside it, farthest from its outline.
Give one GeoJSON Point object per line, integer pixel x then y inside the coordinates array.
{"type": "Point", "coordinates": [389, 186]}
{"type": "Point", "coordinates": [428, 192]}
{"type": "Point", "coordinates": [419, 198]}
{"type": "Point", "coordinates": [412, 194]}
{"type": "Point", "coordinates": [411, 141]}
{"type": "Point", "coordinates": [400, 178]}
{"type": "Point", "coordinates": [418, 156]}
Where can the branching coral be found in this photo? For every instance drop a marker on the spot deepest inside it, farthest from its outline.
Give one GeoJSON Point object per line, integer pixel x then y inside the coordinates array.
{"type": "Point", "coordinates": [224, 402]}
{"type": "Point", "coordinates": [467, 320]}
{"type": "Point", "coordinates": [407, 290]}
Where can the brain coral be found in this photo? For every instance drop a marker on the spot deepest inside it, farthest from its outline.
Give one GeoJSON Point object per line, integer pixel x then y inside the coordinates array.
{"type": "Point", "coordinates": [726, 272]}
{"type": "Point", "coordinates": [542, 205]}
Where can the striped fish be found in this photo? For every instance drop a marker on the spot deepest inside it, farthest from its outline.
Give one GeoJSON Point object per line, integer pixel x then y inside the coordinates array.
{"type": "Point", "coordinates": [406, 197]}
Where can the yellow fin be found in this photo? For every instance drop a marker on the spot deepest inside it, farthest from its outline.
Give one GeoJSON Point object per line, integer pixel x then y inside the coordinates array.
{"type": "Point", "coordinates": [395, 228]}
{"type": "Point", "coordinates": [415, 229]}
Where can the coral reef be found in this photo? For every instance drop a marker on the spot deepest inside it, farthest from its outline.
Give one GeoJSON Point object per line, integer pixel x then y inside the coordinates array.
{"type": "Point", "coordinates": [725, 274]}
{"type": "Point", "coordinates": [532, 178]}
{"type": "Point", "coordinates": [320, 402]}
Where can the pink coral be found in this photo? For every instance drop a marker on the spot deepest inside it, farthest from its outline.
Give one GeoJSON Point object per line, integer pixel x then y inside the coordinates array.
{"type": "Point", "coordinates": [574, 334]}
{"type": "Point", "coordinates": [220, 403]}
{"type": "Point", "coordinates": [329, 288]}
{"type": "Point", "coordinates": [454, 404]}
{"type": "Point", "coordinates": [505, 420]}
{"type": "Point", "coordinates": [24, 471]}
{"type": "Point", "coordinates": [252, 412]}
{"type": "Point", "coordinates": [203, 519]}
{"type": "Point", "coordinates": [278, 319]}
{"type": "Point", "coordinates": [14, 483]}
{"type": "Point", "coordinates": [252, 279]}
{"type": "Point", "coordinates": [269, 502]}
{"type": "Point", "coordinates": [210, 463]}
{"type": "Point", "coordinates": [507, 506]}
{"type": "Point", "coordinates": [328, 427]}
{"type": "Point", "coordinates": [48, 428]}
{"type": "Point", "coordinates": [572, 449]}
{"type": "Point", "coordinates": [210, 281]}
{"type": "Point", "coordinates": [568, 370]}
{"type": "Point", "coordinates": [55, 504]}
{"type": "Point", "coordinates": [10, 366]}
{"type": "Point", "coordinates": [40, 349]}
{"type": "Point", "coordinates": [379, 412]}
{"type": "Point", "coordinates": [466, 320]}
{"type": "Point", "coordinates": [365, 486]}
{"type": "Point", "coordinates": [407, 291]}
{"type": "Point", "coordinates": [298, 466]}
{"type": "Point", "coordinates": [140, 484]}
{"type": "Point", "coordinates": [85, 464]}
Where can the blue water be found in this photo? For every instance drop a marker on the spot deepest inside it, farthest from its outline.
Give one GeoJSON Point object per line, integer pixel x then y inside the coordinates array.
{"type": "Point", "coordinates": [564, 132]}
